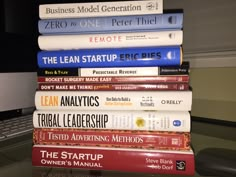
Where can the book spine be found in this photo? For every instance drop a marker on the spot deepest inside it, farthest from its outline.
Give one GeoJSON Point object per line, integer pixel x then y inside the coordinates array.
{"type": "Point", "coordinates": [112, 57]}
{"type": "Point", "coordinates": [113, 100]}
{"type": "Point", "coordinates": [111, 24]}
{"type": "Point", "coordinates": [112, 138]}
{"type": "Point", "coordinates": [141, 161]}
{"type": "Point", "coordinates": [115, 71]}
{"type": "Point", "coordinates": [96, 9]}
{"type": "Point", "coordinates": [107, 87]}
{"type": "Point", "coordinates": [121, 79]}
{"type": "Point", "coordinates": [178, 121]}
{"type": "Point", "coordinates": [110, 40]}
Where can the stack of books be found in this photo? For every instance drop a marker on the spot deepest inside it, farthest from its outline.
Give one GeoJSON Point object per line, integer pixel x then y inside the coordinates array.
{"type": "Point", "coordinates": [113, 89]}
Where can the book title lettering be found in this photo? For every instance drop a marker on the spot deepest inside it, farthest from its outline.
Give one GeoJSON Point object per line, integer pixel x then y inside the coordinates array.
{"type": "Point", "coordinates": [93, 23]}
{"type": "Point", "coordinates": [101, 58]}
{"type": "Point", "coordinates": [93, 9]}
{"type": "Point", "coordinates": [73, 120]}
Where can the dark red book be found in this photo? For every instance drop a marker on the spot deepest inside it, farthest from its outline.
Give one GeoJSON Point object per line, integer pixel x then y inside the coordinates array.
{"type": "Point", "coordinates": [115, 159]}
{"type": "Point", "coordinates": [105, 87]}
{"type": "Point", "coordinates": [113, 138]}
{"type": "Point", "coordinates": [121, 79]}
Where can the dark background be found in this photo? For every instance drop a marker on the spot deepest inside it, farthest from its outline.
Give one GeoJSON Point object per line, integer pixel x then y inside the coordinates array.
{"type": "Point", "coordinates": [19, 32]}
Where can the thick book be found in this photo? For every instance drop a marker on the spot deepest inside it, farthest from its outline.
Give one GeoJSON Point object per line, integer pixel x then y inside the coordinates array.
{"type": "Point", "coordinates": [182, 69]}
{"type": "Point", "coordinates": [112, 87]}
{"type": "Point", "coordinates": [114, 100]}
{"type": "Point", "coordinates": [110, 40]}
{"type": "Point", "coordinates": [111, 24]}
{"type": "Point", "coordinates": [118, 79]}
{"type": "Point", "coordinates": [115, 159]}
{"type": "Point", "coordinates": [112, 138]}
{"type": "Point", "coordinates": [96, 9]}
{"type": "Point", "coordinates": [112, 57]}
{"type": "Point", "coordinates": [178, 121]}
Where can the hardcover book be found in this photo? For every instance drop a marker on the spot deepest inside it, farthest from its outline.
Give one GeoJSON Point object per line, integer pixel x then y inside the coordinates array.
{"type": "Point", "coordinates": [115, 159]}
{"type": "Point", "coordinates": [114, 100]}
{"type": "Point", "coordinates": [110, 40]}
{"type": "Point", "coordinates": [111, 57]}
{"type": "Point", "coordinates": [178, 121]}
{"type": "Point", "coordinates": [182, 69]}
{"type": "Point", "coordinates": [112, 138]}
{"type": "Point", "coordinates": [111, 23]}
{"type": "Point", "coordinates": [96, 9]}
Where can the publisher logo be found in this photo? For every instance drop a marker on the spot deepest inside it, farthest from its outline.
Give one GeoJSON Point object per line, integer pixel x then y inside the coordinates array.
{"type": "Point", "coordinates": [180, 165]}
{"type": "Point", "coordinates": [152, 6]}
{"type": "Point", "coordinates": [176, 123]}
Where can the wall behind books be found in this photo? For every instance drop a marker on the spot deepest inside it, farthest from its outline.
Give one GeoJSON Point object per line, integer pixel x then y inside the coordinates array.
{"type": "Point", "coordinates": [210, 46]}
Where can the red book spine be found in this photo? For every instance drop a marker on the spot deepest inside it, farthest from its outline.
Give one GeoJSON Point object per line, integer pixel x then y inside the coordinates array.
{"type": "Point", "coordinates": [115, 159]}
{"type": "Point", "coordinates": [121, 79]}
{"type": "Point", "coordinates": [106, 87]}
{"type": "Point", "coordinates": [113, 138]}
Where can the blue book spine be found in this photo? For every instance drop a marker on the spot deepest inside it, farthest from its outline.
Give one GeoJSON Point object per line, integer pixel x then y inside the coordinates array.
{"type": "Point", "coordinates": [111, 57]}
{"type": "Point", "coordinates": [109, 24]}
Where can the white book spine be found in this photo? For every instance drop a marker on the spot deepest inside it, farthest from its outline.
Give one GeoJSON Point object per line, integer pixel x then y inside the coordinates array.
{"type": "Point", "coordinates": [178, 121]}
{"type": "Point", "coordinates": [114, 100]}
{"type": "Point", "coordinates": [119, 71]}
{"type": "Point", "coordinates": [112, 40]}
{"type": "Point", "coordinates": [96, 9]}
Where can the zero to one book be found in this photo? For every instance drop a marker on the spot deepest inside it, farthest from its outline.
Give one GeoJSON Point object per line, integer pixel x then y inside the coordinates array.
{"type": "Point", "coordinates": [96, 9]}
{"type": "Point", "coordinates": [115, 159]}
{"type": "Point", "coordinates": [110, 40]}
{"type": "Point", "coordinates": [111, 57]}
{"type": "Point", "coordinates": [178, 121]}
{"type": "Point", "coordinates": [113, 138]}
{"type": "Point", "coordinates": [114, 100]}
{"type": "Point", "coordinates": [111, 23]}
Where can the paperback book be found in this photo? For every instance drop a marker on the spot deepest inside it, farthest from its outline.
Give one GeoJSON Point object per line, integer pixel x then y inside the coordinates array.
{"type": "Point", "coordinates": [182, 69]}
{"type": "Point", "coordinates": [118, 79]}
{"type": "Point", "coordinates": [112, 87]}
{"type": "Point", "coordinates": [114, 100]}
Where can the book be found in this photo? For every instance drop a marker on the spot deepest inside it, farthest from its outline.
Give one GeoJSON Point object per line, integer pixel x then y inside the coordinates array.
{"type": "Point", "coordinates": [114, 100]}
{"type": "Point", "coordinates": [96, 9]}
{"type": "Point", "coordinates": [111, 23]}
{"type": "Point", "coordinates": [178, 121]}
{"type": "Point", "coordinates": [118, 79]}
{"type": "Point", "coordinates": [107, 87]}
{"type": "Point", "coordinates": [183, 69]}
{"type": "Point", "coordinates": [115, 159]}
{"type": "Point", "coordinates": [110, 40]}
{"type": "Point", "coordinates": [112, 138]}
{"type": "Point", "coordinates": [111, 57]}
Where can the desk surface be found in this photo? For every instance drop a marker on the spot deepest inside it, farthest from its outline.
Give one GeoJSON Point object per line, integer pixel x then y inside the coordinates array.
{"type": "Point", "coordinates": [15, 156]}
